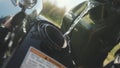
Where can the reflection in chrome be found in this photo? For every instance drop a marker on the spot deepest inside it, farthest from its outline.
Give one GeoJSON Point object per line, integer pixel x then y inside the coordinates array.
{"type": "Point", "coordinates": [25, 3]}
{"type": "Point", "coordinates": [89, 6]}
{"type": "Point", "coordinates": [28, 3]}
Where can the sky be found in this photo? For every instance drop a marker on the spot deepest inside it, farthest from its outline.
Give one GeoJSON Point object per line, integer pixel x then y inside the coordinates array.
{"type": "Point", "coordinates": [66, 3]}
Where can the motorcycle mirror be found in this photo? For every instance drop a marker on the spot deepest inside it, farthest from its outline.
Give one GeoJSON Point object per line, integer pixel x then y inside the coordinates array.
{"type": "Point", "coordinates": [24, 3]}
{"type": "Point", "coordinates": [33, 6]}
{"type": "Point", "coordinates": [28, 3]}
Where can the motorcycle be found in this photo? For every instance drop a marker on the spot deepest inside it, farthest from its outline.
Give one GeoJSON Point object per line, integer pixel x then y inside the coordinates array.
{"type": "Point", "coordinates": [84, 39]}
{"type": "Point", "coordinates": [93, 28]}
{"type": "Point", "coordinates": [34, 41]}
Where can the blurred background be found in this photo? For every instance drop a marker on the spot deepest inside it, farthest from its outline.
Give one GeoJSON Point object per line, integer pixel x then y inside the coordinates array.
{"type": "Point", "coordinates": [54, 10]}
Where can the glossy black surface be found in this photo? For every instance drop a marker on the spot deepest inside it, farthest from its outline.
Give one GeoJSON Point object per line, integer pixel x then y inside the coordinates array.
{"type": "Point", "coordinates": [94, 35]}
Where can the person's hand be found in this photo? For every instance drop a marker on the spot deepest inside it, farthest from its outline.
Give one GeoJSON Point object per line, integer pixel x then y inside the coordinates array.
{"type": "Point", "coordinates": [7, 24]}
{"type": "Point", "coordinates": [12, 21]}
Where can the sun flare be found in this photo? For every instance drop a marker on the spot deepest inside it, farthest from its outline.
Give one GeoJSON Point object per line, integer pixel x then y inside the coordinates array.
{"type": "Point", "coordinates": [66, 3]}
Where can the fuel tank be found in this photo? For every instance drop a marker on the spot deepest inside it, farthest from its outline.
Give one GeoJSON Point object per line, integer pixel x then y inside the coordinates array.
{"type": "Point", "coordinates": [47, 38]}
{"type": "Point", "coordinates": [99, 23]}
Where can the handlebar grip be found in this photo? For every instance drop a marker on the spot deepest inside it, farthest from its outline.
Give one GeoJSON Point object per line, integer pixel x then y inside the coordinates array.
{"type": "Point", "coordinates": [18, 18]}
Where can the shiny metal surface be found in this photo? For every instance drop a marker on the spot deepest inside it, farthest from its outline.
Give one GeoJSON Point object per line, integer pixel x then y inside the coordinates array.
{"type": "Point", "coordinates": [8, 7]}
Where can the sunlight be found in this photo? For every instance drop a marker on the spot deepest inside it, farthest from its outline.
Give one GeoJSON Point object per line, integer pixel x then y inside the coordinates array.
{"type": "Point", "coordinates": [68, 4]}
{"type": "Point", "coordinates": [62, 3]}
